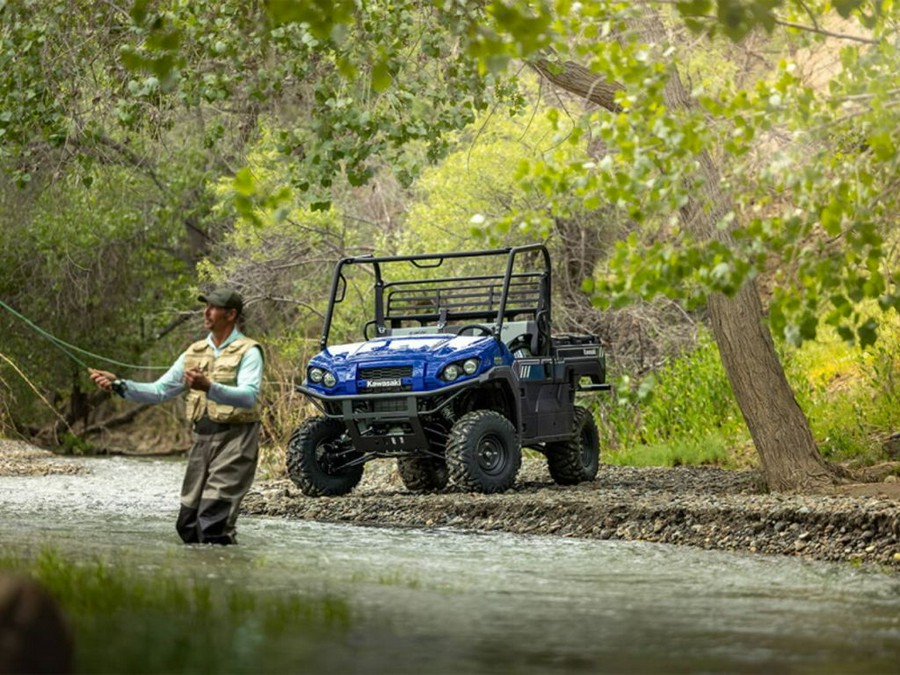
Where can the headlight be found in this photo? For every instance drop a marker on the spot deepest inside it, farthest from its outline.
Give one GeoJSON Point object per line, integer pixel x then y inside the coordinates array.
{"type": "Point", "coordinates": [450, 373]}
{"type": "Point", "coordinates": [470, 366]}
{"type": "Point", "coordinates": [321, 376]}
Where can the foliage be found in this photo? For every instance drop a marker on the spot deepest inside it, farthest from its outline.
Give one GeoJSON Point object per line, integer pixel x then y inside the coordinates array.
{"type": "Point", "coordinates": [390, 81]}
{"type": "Point", "coordinates": [85, 266]}
{"type": "Point", "coordinates": [713, 448]}
{"type": "Point", "coordinates": [278, 252]}
{"type": "Point", "coordinates": [168, 624]}
{"type": "Point", "coordinates": [809, 174]}
{"type": "Point", "coordinates": [684, 412]}
{"type": "Point", "coordinates": [474, 185]}
{"type": "Point", "coordinates": [849, 393]}
{"type": "Point", "coordinates": [454, 203]}
{"type": "Point", "coordinates": [683, 404]}
{"type": "Point", "coordinates": [283, 408]}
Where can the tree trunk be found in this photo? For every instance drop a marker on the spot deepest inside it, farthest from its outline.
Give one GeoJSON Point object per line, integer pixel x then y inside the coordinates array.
{"type": "Point", "coordinates": [780, 431]}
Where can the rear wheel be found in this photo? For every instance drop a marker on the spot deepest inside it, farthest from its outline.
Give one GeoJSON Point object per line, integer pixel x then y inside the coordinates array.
{"type": "Point", "coordinates": [420, 474]}
{"type": "Point", "coordinates": [483, 453]}
{"type": "Point", "coordinates": [577, 459]}
{"type": "Point", "coordinates": [319, 457]}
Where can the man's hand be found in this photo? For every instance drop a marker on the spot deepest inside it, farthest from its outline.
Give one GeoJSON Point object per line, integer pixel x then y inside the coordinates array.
{"type": "Point", "coordinates": [103, 378]}
{"type": "Point", "coordinates": [196, 379]}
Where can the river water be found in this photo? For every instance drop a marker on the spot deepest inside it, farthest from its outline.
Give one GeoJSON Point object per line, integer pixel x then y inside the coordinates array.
{"type": "Point", "coordinates": [442, 601]}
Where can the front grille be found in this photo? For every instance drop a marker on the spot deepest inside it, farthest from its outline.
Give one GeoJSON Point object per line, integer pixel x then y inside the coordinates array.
{"type": "Point", "coordinates": [390, 405]}
{"type": "Point", "coordinates": [385, 372]}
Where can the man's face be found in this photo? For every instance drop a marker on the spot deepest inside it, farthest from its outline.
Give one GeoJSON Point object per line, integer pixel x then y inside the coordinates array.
{"type": "Point", "coordinates": [217, 318]}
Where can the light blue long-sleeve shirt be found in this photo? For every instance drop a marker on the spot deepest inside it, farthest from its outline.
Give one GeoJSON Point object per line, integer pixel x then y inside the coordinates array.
{"type": "Point", "coordinates": [170, 385]}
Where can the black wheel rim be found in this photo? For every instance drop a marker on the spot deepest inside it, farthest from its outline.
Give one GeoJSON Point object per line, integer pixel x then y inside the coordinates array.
{"type": "Point", "coordinates": [491, 455]}
{"type": "Point", "coordinates": [587, 455]}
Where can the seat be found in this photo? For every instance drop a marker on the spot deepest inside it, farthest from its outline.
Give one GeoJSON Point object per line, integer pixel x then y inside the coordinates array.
{"type": "Point", "coordinates": [519, 337]}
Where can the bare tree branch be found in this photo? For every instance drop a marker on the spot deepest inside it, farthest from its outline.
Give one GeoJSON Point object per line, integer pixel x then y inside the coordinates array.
{"type": "Point", "coordinates": [581, 81]}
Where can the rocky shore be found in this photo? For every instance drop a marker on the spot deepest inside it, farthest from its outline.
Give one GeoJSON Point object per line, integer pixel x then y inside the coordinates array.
{"type": "Point", "coordinates": [18, 458]}
{"type": "Point", "coordinates": [704, 507]}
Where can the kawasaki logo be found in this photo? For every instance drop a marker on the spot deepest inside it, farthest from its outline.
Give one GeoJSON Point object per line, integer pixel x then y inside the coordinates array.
{"type": "Point", "coordinates": [382, 383]}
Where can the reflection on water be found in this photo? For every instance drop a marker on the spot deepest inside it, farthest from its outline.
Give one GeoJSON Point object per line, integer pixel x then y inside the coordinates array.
{"type": "Point", "coordinates": [444, 601]}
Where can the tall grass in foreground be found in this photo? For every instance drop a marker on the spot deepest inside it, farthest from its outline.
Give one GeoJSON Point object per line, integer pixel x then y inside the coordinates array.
{"type": "Point", "coordinates": [126, 622]}
{"type": "Point", "coordinates": [685, 412]}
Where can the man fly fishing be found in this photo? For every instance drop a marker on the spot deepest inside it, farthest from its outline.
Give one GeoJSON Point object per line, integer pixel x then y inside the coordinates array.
{"type": "Point", "coordinates": [222, 376]}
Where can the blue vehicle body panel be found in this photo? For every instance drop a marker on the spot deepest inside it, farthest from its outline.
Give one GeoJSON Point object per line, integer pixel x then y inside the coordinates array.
{"type": "Point", "coordinates": [424, 355]}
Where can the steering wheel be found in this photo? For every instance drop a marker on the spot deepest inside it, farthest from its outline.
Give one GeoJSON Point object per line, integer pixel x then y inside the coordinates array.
{"type": "Point", "coordinates": [473, 327]}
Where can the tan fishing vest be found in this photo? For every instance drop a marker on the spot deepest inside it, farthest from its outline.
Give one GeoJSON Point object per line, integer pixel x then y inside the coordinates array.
{"type": "Point", "coordinates": [224, 371]}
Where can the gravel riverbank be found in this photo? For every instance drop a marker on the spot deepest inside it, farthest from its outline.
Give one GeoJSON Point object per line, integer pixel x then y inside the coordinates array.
{"type": "Point", "coordinates": [18, 458]}
{"type": "Point", "coordinates": [696, 506]}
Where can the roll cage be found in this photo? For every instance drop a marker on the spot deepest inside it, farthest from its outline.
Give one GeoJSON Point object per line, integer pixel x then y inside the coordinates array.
{"type": "Point", "coordinates": [442, 302]}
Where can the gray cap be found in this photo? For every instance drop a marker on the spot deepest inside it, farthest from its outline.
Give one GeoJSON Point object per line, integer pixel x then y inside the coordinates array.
{"type": "Point", "coordinates": [223, 297]}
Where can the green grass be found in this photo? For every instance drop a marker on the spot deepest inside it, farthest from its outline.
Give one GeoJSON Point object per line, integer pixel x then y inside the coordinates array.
{"type": "Point", "coordinates": [711, 449]}
{"type": "Point", "coordinates": [684, 413]}
{"type": "Point", "coordinates": [125, 622]}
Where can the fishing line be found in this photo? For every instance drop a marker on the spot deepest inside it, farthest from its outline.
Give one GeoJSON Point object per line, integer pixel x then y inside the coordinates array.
{"type": "Point", "coordinates": [67, 348]}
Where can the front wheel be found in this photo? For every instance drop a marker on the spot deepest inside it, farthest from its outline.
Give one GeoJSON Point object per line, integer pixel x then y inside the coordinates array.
{"type": "Point", "coordinates": [320, 456]}
{"type": "Point", "coordinates": [577, 459]}
{"type": "Point", "coordinates": [483, 453]}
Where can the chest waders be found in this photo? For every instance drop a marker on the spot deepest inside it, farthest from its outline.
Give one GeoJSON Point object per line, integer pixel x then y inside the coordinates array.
{"type": "Point", "coordinates": [222, 460]}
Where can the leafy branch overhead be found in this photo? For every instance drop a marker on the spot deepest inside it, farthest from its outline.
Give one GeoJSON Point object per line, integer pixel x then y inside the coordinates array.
{"type": "Point", "coordinates": [344, 98]}
{"type": "Point", "coordinates": [809, 170]}
{"type": "Point", "coordinates": [343, 89]}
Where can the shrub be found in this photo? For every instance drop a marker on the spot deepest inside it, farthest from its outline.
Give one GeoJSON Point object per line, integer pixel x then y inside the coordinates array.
{"type": "Point", "coordinates": [683, 413]}
{"type": "Point", "coordinates": [849, 394]}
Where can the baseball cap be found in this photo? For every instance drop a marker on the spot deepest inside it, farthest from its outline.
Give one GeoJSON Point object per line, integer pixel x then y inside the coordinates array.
{"type": "Point", "coordinates": [223, 297]}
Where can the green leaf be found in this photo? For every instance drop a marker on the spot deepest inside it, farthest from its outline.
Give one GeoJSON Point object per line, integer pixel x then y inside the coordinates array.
{"type": "Point", "coordinates": [832, 218]}
{"type": "Point", "coordinates": [846, 7]}
{"type": "Point", "coordinates": [695, 7]}
{"type": "Point", "coordinates": [244, 183]}
{"type": "Point", "coordinates": [381, 77]}
{"type": "Point", "coordinates": [882, 145]}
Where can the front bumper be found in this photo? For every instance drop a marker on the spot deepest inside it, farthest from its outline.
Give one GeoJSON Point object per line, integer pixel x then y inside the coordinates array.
{"type": "Point", "coordinates": [389, 424]}
{"type": "Point", "coordinates": [446, 394]}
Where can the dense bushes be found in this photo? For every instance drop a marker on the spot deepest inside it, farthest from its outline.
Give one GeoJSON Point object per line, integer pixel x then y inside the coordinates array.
{"type": "Point", "coordinates": [685, 413]}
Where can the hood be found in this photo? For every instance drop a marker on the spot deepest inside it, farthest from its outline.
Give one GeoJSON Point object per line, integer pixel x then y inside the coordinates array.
{"type": "Point", "coordinates": [414, 347]}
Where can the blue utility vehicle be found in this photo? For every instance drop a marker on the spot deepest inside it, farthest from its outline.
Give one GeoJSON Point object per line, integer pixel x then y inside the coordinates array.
{"type": "Point", "coordinates": [456, 372]}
